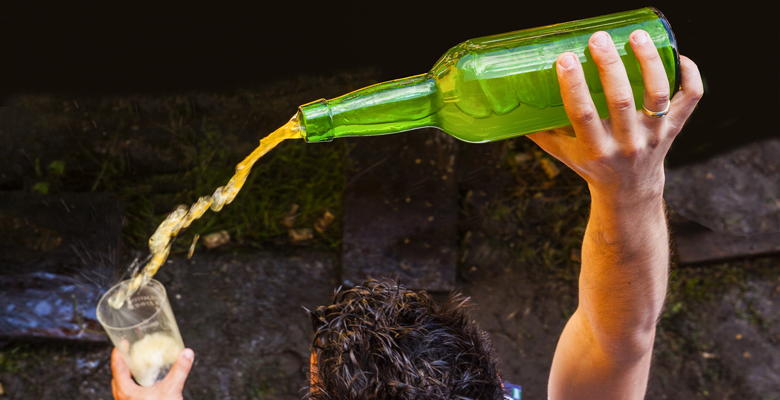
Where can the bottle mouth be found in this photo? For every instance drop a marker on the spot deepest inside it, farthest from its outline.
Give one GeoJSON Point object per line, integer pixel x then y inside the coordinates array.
{"type": "Point", "coordinates": [673, 43]}
{"type": "Point", "coordinates": [316, 121]}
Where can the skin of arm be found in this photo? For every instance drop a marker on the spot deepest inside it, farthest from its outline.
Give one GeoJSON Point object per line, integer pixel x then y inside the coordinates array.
{"type": "Point", "coordinates": [606, 346]}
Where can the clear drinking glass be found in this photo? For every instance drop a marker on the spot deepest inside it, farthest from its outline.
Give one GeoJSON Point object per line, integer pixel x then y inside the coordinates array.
{"type": "Point", "coordinates": [144, 330]}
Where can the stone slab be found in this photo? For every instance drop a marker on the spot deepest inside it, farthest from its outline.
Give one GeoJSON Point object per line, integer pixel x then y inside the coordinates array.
{"type": "Point", "coordinates": [401, 210]}
{"type": "Point", "coordinates": [727, 206]}
{"type": "Point", "coordinates": [694, 243]}
{"type": "Point", "coordinates": [242, 314]}
{"type": "Point", "coordinates": [58, 253]}
{"type": "Point", "coordinates": [736, 193]}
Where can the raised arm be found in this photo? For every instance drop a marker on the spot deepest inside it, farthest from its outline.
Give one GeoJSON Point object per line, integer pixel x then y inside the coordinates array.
{"type": "Point", "coordinates": [605, 349]}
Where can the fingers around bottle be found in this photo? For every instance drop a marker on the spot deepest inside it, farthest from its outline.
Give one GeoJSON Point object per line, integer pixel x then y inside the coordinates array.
{"type": "Point", "coordinates": [617, 88]}
{"type": "Point", "coordinates": [178, 373]}
{"type": "Point", "coordinates": [577, 101]}
{"type": "Point", "coordinates": [685, 100]}
{"type": "Point", "coordinates": [656, 97]}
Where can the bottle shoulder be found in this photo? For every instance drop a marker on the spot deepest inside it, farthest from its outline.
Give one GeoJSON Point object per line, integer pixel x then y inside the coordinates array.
{"type": "Point", "coordinates": [450, 57]}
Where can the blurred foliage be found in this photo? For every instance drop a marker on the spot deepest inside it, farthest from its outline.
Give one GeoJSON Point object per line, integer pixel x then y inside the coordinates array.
{"type": "Point", "coordinates": [695, 285]}
{"type": "Point", "coordinates": [266, 382]}
{"type": "Point", "coordinates": [540, 215]}
{"type": "Point", "coordinates": [156, 152]}
{"type": "Point", "coordinates": [9, 359]}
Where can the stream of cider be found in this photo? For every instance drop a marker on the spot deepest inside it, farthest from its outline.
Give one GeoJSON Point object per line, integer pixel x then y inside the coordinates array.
{"type": "Point", "coordinates": [178, 220]}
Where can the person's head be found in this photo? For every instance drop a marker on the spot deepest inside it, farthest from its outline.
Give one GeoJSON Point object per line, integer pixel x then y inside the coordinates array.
{"type": "Point", "coordinates": [380, 340]}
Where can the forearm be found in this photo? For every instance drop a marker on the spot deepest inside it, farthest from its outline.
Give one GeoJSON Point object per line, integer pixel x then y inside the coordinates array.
{"type": "Point", "coordinates": [605, 349]}
{"type": "Point", "coordinates": [625, 261]}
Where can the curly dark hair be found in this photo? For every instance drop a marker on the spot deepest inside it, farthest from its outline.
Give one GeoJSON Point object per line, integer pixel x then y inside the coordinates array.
{"type": "Point", "coordinates": [380, 340]}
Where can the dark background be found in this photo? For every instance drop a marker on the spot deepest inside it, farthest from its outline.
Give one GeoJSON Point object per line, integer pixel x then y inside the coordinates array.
{"type": "Point", "coordinates": [108, 49]}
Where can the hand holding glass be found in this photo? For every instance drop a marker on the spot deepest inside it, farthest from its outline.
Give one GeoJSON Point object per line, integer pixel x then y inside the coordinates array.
{"type": "Point", "coordinates": [144, 330]}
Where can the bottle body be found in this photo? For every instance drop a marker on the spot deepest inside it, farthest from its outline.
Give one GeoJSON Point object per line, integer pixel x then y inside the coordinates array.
{"type": "Point", "coordinates": [494, 87]}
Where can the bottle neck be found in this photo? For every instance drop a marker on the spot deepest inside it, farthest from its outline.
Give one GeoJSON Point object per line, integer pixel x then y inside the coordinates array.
{"type": "Point", "coordinates": [388, 107]}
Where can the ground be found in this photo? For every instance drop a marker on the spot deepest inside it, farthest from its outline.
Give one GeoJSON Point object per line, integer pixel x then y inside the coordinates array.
{"type": "Point", "coordinates": [240, 306]}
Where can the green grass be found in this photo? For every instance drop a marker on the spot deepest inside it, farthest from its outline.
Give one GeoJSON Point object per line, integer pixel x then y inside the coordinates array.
{"type": "Point", "coordinates": [294, 173]}
{"type": "Point", "coordinates": [16, 357]}
{"type": "Point", "coordinates": [701, 284]}
{"type": "Point", "coordinates": [10, 359]}
{"type": "Point", "coordinates": [549, 212]}
{"type": "Point", "coordinates": [156, 152]}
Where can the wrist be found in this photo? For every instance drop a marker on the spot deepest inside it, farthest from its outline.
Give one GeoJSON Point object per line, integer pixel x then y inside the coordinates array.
{"type": "Point", "coordinates": [634, 198]}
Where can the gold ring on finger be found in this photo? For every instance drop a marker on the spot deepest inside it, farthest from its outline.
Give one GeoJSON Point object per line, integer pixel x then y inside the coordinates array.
{"type": "Point", "coordinates": [657, 114]}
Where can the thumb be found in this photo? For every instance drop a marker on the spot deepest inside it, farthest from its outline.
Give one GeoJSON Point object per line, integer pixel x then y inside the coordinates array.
{"type": "Point", "coordinates": [178, 373]}
{"type": "Point", "coordinates": [555, 142]}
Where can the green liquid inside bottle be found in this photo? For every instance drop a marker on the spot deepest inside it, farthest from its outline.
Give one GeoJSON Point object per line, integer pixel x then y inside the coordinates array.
{"type": "Point", "coordinates": [494, 87]}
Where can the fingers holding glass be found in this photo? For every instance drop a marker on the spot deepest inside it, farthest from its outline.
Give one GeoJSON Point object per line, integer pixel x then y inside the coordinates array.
{"type": "Point", "coordinates": [617, 88]}
{"type": "Point", "coordinates": [577, 102]}
{"type": "Point", "coordinates": [121, 383]}
{"type": "Point", "coordinates": [119, 368]}
{"type": "Point", "coordinates": [180, 370]}
{"type": "Point", "coordinates": [686, 99]}
{"type": "Point", "coordinates": [656, 83]}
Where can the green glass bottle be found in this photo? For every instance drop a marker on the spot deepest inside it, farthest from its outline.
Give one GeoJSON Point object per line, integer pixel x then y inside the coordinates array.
{"type": "Point", "coordinates": [494, 87]}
